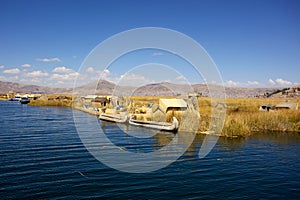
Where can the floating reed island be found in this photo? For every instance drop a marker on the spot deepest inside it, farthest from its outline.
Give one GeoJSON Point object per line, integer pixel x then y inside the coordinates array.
{"type": "Point", "coordinates": [243, 115]}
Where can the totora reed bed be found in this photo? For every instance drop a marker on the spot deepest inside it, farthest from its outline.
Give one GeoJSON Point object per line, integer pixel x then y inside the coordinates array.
{"type": "Point", "coordinates": [243, 117]}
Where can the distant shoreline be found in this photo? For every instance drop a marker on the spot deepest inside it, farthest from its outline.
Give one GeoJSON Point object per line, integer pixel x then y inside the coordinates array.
{"type": "Point", "coordinates": [243, 117]}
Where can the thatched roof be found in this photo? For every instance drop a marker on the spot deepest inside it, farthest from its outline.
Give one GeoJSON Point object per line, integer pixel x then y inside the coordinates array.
{"type": "Point", "coordinates": [172, 103]}
{"type": "Point", "coordinates": [288, 105]}
{"type": "Point", "coordinates": [91, 96]}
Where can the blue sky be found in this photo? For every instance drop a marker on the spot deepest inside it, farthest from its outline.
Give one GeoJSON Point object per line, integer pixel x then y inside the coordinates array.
{"type": "Point", "coordinates": [254, 43]}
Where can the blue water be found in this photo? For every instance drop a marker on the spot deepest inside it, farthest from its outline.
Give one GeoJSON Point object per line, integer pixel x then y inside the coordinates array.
{"type": "Point", "coordinates": [42, 157]}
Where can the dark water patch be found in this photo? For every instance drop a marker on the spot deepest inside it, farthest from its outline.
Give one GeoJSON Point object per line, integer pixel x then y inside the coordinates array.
{"type": "Point", "coordinates": [42, 157]}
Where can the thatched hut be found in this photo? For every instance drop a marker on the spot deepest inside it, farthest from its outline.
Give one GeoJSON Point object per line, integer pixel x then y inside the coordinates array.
{"type": "Point", "coordinates": [186, 112]}
{"type": "Point", "coordinates": [89, 98]}
{"type": "Point", "coordinates": [287, 105]}
{"type": "Point", "coordinates": [168, 105]}
{"type": "Point", "coordinates": [167, 108]}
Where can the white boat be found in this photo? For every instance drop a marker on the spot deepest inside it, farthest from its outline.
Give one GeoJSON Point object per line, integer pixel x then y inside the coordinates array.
{"type": "Point", "coordinates": [164, 126]}
{"type": "Point", "coordinates": [25, 100]}
{"type": "Point", "coordinates": [16, 98]}
{"type": "Point", "coordinates": [119, 118]}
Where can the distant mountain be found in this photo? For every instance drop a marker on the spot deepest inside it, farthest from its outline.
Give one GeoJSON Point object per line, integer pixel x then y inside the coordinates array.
{"type": "Point", "coordinates": [101, 87]}
{"type": "Point", "coordinates": [293, 92]}
{"type": "Point", "coordinates": [6, 87]}
{"type": "Point", "coordinates": [235, 91]}
{"type": "Point", "coordinates": [104, 87]}
{"type": "Point", "coordinates": [163, 89]}
{"type": "Point", "coordinates": [248, 92]}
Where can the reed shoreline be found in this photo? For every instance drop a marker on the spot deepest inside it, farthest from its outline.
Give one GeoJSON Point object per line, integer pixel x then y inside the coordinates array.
{"type": "Point", "coordinates": [242, 115]}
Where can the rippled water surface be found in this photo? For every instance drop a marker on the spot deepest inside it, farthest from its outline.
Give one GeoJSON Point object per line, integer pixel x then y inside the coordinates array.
{"type": "Point", "coordinates": [42, 157]}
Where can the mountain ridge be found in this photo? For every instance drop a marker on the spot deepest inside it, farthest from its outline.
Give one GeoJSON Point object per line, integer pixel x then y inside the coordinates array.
{"type": "Point", "coordinates": [103, 87]}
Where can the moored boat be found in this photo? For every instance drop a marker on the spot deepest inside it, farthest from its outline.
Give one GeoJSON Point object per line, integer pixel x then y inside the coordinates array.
{"type": "Point", "coordinates": [25, 100]}
{"type": "Point", "coordinates": [164, 126]}
{"type": "Point", "coordinates": [118, 118]}
{"type": "Point", "coordinates": [16, 98]}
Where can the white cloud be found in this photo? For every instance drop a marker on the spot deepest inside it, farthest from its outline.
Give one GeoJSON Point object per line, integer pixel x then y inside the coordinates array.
{"type": "Point", "coordinates": [271, 82]}
{"type": "Point", "coordinates": [131, 79]}
{"type": "Point", "coordinates": [90, 70]}
{"type": "Point", "coordinates": [233, 83]}
{"type": "Point", "coordinates": [35, 74]}
{"type": "Point", "coordinates": [104, 74]}
{"type": "Point", "coordinates": [36, 80]}
{"type": "Point", "coordinates": [180, 78]}
{"type": "Point", "coordinates": [26, 65]}
{"type": "Point", "coordinates": [62, 70]}
{"type": "Point", "coordinates": [253, 83]}
{"type": "Point", "coordinates": [11, 71]}
{"type": "Point", "coordinates": [60, 82]}
{"type": "Point", "coordinates": [48, 59]}
{"type": "Point", "coordinates": [59, 77]}
{"type": "Point", "coordinates": [280, 81]}
{"type": "Point", "coordinates": [64, 77]}
{"type": "Point", "coordinates": [98, 74]}
{"type": "Point", "coordinates": [2, 66]}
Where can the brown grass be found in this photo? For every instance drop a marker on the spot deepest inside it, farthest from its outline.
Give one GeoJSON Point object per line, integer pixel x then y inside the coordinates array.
{"type": "Point", "coordinates": [50, 100]}
{"type": "Point", "coordinates": [242, 115]}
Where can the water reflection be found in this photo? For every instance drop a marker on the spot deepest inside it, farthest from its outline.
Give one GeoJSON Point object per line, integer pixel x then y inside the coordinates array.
{"type": "Point", "coordinates": [158, 139]}
{"type": "Point", "coordinates": [276, 137]}
{"type": "Point", "coordinates": [232, 143]}
{"type": "Point", "coordinates": [118, 149]}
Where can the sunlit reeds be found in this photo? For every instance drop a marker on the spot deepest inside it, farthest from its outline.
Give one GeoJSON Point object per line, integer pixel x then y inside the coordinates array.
{"type": "Point", "coordinates": [242, 114]}
{"type": "Point", "coordinates": [244, 118]}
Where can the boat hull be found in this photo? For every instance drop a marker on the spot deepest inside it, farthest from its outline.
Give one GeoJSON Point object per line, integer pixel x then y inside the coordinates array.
{"type": "Point", "coordinates": [23, 101]}
{"type": "Point", "coordinates": [114, 118]}
{"type": "Point", "coordinates": [164, 126]}
{"type": "Point", "coordinates": [14, 99]}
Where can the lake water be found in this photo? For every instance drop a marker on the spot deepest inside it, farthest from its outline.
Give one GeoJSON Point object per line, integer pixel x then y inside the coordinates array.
{"type": "Point", "coordinates": [43, 157]}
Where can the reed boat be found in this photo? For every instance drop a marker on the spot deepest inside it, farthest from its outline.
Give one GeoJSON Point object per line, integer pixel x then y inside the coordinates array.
{"type": "Point", "coordinates": [164, 126]}
{"type": "Point", "coordinates": [118, 118]}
